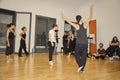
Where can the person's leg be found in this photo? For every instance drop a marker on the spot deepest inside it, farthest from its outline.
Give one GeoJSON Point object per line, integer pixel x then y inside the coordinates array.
{"type": "Point", "coordinates": [110, 51]}
{"type": "Point", "coordinates": [84, 57]}
{"type": "Point", "coordinates": [65, 47]}
{"type": "Point", "coordinates": [27, 54]}
{"type": "Point", "coordinates": [102, 57]}
{"type": "Point", "coordinates": [50, 51]}
{"type": "Point", "coordinates": [69, 49]}
{"type": "Point", "coordinates": [77, 54]}
{"type": "Point", "coordinates": [20, 49]}
{"type": "Point", "coordinates": [11, 50]}
{"type": "Point", "coordinates": [107, 51]}
{"type": "Point", "coordinates": [24, 48]}
{"type": "Point", "coordinates": [7, 53]}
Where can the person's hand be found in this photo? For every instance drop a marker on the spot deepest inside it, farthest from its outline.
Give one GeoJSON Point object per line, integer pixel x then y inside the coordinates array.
{"type": "Point", "coordinates": [8, 45]}
{"type": "Point", "coordinates": [63, 17]}
{"type": "Point", "coordinates": [52, 43]}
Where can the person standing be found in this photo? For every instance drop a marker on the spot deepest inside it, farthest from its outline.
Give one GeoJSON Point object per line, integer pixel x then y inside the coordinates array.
{"type": "Point", "coordinates": [23, 42]}
{"type": "Point", "coordinates": [65, 43]}
{"type": "Point", "coordinates": [71, 43]}
{"type": "Point", "coordinates": [52, 42]}
{"type": "Point", "coordinates": [10, 40]}
{"type": "Point", "coordinates": [81, 41]}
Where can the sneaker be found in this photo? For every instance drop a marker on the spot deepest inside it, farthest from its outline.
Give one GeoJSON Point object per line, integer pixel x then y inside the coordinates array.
{"type": "Point", "coordinates": [80, 69]}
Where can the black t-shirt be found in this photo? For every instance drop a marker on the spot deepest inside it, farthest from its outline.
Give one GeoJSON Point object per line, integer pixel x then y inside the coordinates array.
{"type": "Point", "coordinates": [101, 51]}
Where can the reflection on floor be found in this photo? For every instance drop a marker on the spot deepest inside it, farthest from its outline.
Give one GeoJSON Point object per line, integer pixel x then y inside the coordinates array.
{"type": "Point", "coordinates": [36, 67]}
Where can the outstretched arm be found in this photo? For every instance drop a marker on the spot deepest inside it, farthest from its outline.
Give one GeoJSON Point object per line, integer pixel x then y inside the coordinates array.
{"type": "Point", "coordinates": [68, 21]}
{"type": "Point", "coordinates": [86, 23]}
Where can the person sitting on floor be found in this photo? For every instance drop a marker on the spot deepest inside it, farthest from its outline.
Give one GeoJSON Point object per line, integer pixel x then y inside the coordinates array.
{"type": "Point", "coordinates": [113, 45]}
{"type": "Point", "coordinates": [100, 52]}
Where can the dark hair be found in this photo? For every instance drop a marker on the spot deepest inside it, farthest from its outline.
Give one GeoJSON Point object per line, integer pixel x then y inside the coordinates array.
{"type": "Point", "coordinates": [78, 18]}
{"type": "Point", "coordinates": [23, 28]}
{"type": "Point", "coordinates": [113, 40]}
{"type": "Point", "coordinates": [54, 25]}
{"type": "Point", "coordinates": [11, 24]}
{"type": "Point", "coordinates": [101, 44]}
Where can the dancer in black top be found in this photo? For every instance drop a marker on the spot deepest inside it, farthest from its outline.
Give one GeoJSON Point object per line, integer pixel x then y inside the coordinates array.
{"type": "Point", "coordinates": [23, 42]}
{"type": "Point", "coordinates": [81, 41]}
{"type": "Point", "coordinates": [10, 35]}
{"type": "Point", "coordinates": [65, 43]}
{"type": "Point", "coordinates": [71, 43]}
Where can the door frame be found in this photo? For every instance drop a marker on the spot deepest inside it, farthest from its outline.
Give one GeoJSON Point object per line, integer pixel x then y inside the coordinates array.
{"type": "Point", "coordinates": [29, 27]}
{"type": "Point", "coordinates": [13, 14]}
{"type": "Point", "coordinates": [48, 27]}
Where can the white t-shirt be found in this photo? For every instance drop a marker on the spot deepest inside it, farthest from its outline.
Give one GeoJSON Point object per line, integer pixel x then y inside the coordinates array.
{"type": "Point", "coordinates": [52, 37]}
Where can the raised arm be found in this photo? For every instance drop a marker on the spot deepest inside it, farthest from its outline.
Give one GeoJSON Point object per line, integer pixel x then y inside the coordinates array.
{"type": "Point", "coordinates": [86, 23]}
{"type": "Point", "coordinates": [68, 21]}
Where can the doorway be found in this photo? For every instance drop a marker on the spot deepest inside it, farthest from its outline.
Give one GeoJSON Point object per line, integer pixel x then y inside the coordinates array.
{"type": "Point", "coordinates": [6, 17]}
{"type": "Point", "coordinates": [43, 25]}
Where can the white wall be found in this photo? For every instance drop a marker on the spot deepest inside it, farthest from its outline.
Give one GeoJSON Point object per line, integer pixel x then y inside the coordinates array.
{"type": "Point", "coordinates": [0, 3]}
{"type": "Point", "coordinates": [106, 12]}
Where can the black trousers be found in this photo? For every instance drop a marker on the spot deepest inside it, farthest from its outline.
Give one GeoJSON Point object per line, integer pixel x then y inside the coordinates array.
{"type": "Point", "coordinates": [22, 46]}
{"type": "Point", "coordinates": [81, 55]}
{"type": "Point", "coordinates": [51, 50]}
{"type": "Point", "coordinates": [65, 47]}
{"type": "Point", "coordinates": [110, 50]}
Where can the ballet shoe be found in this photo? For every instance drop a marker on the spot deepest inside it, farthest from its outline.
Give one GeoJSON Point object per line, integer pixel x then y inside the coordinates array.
{"type": "Point", "coordinates": [51, 63]}
{"type": "Point", "coordinates": [80, 69]}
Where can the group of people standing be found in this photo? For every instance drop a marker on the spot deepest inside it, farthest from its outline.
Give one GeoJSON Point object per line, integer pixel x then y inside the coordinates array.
{"type": "Point", "coordinates": [10, 41]}
{"type": "Point", "coordinates": [81, 40]}
{"type": "Point", "coordinates": [68, 43]}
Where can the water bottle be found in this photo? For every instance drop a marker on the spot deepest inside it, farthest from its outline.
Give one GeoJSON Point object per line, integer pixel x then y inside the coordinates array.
{"type": "Point", "coordinates": [33, 50]}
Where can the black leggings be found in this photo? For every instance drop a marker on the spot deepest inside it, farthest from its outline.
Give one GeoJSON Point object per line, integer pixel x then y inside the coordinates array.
{"type": "Point", "coordinates": [81, 54]}
{"type": "Point", "coordinates": [51, 50]}
{"type": "Point", "coordinates": [22, 46]}
{"type": "Point", "coordinates": [110, 50]}
{"type": "Point", "coordinates": [65, 49]}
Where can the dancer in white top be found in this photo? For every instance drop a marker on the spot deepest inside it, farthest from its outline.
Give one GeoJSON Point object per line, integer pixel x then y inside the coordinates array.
{"type": "Point", "coordinates": [52, 42]}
